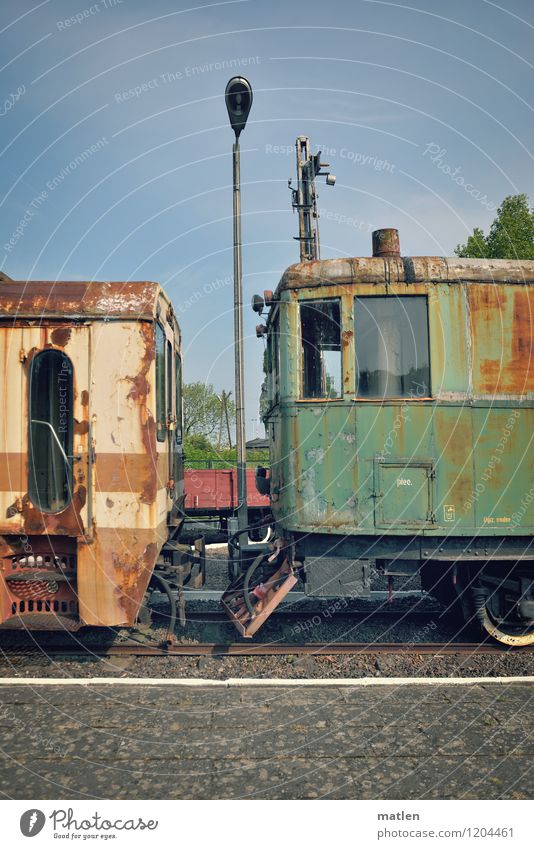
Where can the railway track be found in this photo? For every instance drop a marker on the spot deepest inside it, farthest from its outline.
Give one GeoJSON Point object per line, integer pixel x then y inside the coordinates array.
{"type": "Point", "coordinates": [76, 648]}
{"type": "Point", "coordinates": [324, 615]}
{"type": "Point", "coordinates": [133, 649]}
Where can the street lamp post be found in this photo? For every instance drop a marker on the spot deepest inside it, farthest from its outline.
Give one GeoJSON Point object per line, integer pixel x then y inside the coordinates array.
{"type": "Point", "coordinates": [238, 96]}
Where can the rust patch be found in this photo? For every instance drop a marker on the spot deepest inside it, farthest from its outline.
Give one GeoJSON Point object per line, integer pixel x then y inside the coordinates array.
{"type": "Point", "coordinates": [485, 301]}
{"type": "Point", "coordinates": [109, 503]}
{"type": "Point", "coordinates": [456, 435]}
{"type": "Point", "coordinates": [8, 547]}
{"type": "Point", "coordinates": [139, 393]}
{"type": "Point", "coordinates": [346, 341]}
{"type": "Point", "coordinates": [61, 336]}
{"type": "Point", "coordinates": [128, 472]}
{"type": "Point", "coordinates": [81, 428]}
{"type": "Point", "coordinates": [132, 574]}
{"type": "Point", "coordinates": [29, 357]}
{"type": "Point", "coordinates": [346, 338]}
{"type": "Point", "coordinates": [140, 388]}
{"type": "Point", "coordinates": [68, 522]}
{"type": "Point", "coordinates": [502, 326]}
{"type": "Point", "coordinates": [114, 572]}
{"type": "Point", "coordinates": [13, 509]}
{"type": "Point", "coordinates": [415, 269]}
{"type": "Point", "coordinates": [522, 335]}
{"type": "Point", "coordinates": [84, 398]}
{"type": "Point", "coordinates": [32, 518]}
{"type": "Point", "coordinates": [149, 490]}
{"type": "Point", "coordinates": [149, 436]}
{"type": "Point", "coordinates": [41, 298]}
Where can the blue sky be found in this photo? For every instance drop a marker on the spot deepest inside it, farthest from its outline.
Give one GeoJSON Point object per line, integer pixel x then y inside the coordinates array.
{"type": "Point", "coordinates": [115, 150]}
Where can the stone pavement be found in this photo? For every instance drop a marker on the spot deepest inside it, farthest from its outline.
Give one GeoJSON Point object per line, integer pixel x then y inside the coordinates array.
{"type": "Point", "coordinates": [167, 740]}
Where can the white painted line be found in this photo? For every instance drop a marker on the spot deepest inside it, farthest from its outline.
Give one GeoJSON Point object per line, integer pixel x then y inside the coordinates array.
{"type": "Point", "coordinates": [262, 682]}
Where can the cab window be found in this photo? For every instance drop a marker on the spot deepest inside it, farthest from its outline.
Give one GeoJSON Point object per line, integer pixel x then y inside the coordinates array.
{"type": "Point", "coordinates": [273, 362]}
{"type": "Point", "coordinates": [178, 387]}
{"type": "Point", "coordinates": [392, 348]}
{"type": "Point", "coordinates": [50, 400]}
{"type": "Point", "coordinates": [320, 323]}
{"type": "Point", "coordinates": [170, 397]}
{"type": "Point", "coordinates": [161, 424]}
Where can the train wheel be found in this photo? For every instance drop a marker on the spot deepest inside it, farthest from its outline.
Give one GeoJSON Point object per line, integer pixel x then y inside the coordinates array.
{"type": "Point", "coordinates": [511, 634]}
{"type": "Point", "coordinates": [504, 603]}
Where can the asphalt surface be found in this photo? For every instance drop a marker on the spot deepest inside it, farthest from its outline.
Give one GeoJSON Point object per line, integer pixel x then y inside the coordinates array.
{"type": "Point", "coordinates": [383, 740]}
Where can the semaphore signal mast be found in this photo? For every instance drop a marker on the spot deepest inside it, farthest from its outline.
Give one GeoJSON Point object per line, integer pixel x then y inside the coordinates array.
{"type": "Point", "coordinates": [304, 197]}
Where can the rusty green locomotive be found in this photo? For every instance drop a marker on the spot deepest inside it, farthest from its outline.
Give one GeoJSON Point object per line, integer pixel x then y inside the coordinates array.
{"type": "Point", "coordinates": [398, 406]}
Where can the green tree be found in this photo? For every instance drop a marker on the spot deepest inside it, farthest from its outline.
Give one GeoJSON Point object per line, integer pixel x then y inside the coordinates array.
{"type": "Point", "coordinates": [203, 409]}
{"type": "Point", "coordinates": [511, 234]}
{"type": "Point", "coordinates": [475, 245]}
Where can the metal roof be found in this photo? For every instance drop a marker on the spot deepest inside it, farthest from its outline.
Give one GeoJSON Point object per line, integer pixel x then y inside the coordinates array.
{"type": "Point", "coordinates": [73, 298]}
{"type": "Point", "coordinates": [408, 269]}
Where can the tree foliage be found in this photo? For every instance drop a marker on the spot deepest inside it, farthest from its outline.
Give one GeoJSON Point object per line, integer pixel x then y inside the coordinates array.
{"type": "Point", "coordinates": [201, 455]}
{"type": "Point", "coordinates": [511, 235]}
{"type": "Point", "coordinates": [204, 413]}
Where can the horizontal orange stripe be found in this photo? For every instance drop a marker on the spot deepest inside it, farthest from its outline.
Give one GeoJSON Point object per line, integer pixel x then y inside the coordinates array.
{"type": "Point", "coordinates": [13, 472]}
{"type": "Point", "coordinates": [113, 472]}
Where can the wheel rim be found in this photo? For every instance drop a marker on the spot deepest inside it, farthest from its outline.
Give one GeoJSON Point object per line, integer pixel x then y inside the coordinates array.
{"type": "Point", "coordinates": [498, 634]}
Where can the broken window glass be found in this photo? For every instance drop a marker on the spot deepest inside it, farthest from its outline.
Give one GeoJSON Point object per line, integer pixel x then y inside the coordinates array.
{"type": "Point", "coordinates": [320, 323]}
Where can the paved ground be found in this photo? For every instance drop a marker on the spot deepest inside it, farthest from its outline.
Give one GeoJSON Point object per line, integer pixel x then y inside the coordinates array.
{"type": "Point", "coordinates": [168, 740]}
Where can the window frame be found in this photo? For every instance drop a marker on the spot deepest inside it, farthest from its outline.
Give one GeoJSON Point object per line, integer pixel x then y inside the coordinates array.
{"type": "Point", "coordinates": [393, 398]}
{"type": "Point", "coordinates": [273, 359]}
{"type": "Point", "coordinates": [178, 396]}
{"type": "Point", "coordinates": [67, 445]}
{"type": "Point", "coordinates": [320, 399]}
{"type": "Point", "coordinates": [161, 384]}
{"type": "Point", "coordinates": [169, 378]}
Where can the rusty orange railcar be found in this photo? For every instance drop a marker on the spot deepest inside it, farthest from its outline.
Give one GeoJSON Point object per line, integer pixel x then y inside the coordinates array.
{"type": "Point", "coordinates": [91, 471]}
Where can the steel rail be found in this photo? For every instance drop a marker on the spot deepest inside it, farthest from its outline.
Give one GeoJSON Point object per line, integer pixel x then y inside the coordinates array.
{"type": "Point", "coordinates": [326, 615]}
{"type": "Point", "coordinates": [261, 649]}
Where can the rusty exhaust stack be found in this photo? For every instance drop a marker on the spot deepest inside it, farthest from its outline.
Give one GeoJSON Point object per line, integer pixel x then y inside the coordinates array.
{"type": "Point", "coordinates": [386, 243]}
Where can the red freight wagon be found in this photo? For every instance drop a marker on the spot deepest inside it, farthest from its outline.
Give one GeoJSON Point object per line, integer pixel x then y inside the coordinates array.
{"type": "Point", "coordinates": [213, 492]}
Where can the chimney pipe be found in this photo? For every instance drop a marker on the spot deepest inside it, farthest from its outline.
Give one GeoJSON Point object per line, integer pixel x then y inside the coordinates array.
{"type": "Point", "coordinates": [386, 242]}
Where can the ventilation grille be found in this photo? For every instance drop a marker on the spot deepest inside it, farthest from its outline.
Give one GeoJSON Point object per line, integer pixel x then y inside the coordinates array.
{"type": "Point", "coordinates": [39, 586]}
{"type": "Point", "coordinates": [63, 562]}
{"type": "Point", "coordinates": [38, 606]}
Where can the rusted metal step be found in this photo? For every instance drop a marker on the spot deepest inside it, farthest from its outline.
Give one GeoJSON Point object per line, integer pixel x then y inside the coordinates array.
{"type": "Point", "coordinates": [249, 604]}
